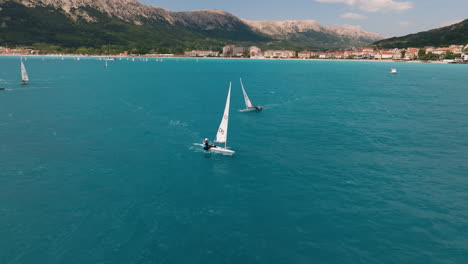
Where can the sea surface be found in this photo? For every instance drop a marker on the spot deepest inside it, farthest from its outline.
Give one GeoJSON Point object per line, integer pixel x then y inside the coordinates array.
{"type": "Point", "coordinates": [347, 163]}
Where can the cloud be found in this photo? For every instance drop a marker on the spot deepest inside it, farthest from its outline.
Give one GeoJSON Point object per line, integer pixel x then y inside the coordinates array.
{"type": "Point", "coordinates": [374, 5]}
{"type": "Point", "coordinates": [405, 23]}
{"type": "Point", "coordinates": [451, 22]}
{"type": "Point", "coordinates": [353, 16]}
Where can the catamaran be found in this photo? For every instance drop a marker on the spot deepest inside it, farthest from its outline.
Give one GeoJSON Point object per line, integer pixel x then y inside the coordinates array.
{"type": "Point", "coordinates": [24, 74]}
{"type": "Point", "coordinates": [248, 104]}
{"type": "Point", "coordinates": [221, 136]}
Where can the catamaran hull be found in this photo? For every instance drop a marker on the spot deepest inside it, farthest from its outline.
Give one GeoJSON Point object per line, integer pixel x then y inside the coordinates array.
{"type": "Point", "coordinates": [223, 151]}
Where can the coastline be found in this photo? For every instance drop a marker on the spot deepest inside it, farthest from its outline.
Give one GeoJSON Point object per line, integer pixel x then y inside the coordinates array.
{"type": "Point", "coordinates": [226, 58]}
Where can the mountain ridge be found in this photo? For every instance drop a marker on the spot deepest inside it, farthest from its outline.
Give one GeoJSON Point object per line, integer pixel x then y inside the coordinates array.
{"type": "Point", "coordinates": [204, 28]}
{"type": "Point", "coordinates": [456, 34]}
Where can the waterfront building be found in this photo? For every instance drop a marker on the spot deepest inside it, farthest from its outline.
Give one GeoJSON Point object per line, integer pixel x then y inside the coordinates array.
{"type": "Point", "coordinates": [201, 53]}
{"type": "Point", "coordinates": [456, 49]}
{"type": "Point", "coordinates": [411, 53]}
{"type": "Point", "coordinates": [254, 51]}
{"type": "Point", "coordinates": [305, 54]}
{"type": "Point", "coordinates": [440, 51]}
{"type": "Point", "coordinates": [279, 54]}
{"type": "Point", "coordinates": [227, 50]}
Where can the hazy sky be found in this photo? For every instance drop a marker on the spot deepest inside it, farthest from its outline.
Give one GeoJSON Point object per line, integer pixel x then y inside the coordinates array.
{"type": "Point", "coordinates": [388, 17]}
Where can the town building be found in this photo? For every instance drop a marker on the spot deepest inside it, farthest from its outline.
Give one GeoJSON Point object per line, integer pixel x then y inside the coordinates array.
{"type": "Point", "coordinates": [456, 49]}
{"type": "Point", "coordinates": [429, 49]}
{"type": "Point", "coordinates": [465, 56]}
{"type": "Point", "coordinates": [336, 55]}
{"type": "Point", "coordinates": [440, 51]}
{"type": "Point", "coordinates": [305, 54]}
{"type": "Point", "coordinates": [18, 51]}
{"type": "Point", "coordinates": [201, 53]}
{"type": "Point", "coordinates": [322, 55]}
{"type": "Point", "coordinates": [227, 50]}
{"type": "Point", "coordinates": [383, 55]}
{"type": "Point", "coordinates": [255, 51]}
{"type": "Point", "coordinates": [411, 53]}
{"type": "Point", "coordinates": [279, 54]}
{"type": "Point", "coordinates": [397, 55]}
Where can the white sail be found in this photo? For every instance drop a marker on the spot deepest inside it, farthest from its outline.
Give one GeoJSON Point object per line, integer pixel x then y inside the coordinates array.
{"type": "Point", "coordinates": [248, 103]}
{"type": "Point", "coordinates": [221, 136]}
{"type": "Point", "coordinates": [24, 74]}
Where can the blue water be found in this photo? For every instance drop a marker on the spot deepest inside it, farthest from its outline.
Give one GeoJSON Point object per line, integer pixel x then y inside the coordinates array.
{"type": "Point", "coordinates": [346, 164]}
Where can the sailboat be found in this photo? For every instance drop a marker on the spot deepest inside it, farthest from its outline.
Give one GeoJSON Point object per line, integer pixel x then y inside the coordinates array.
{"type": "Point", "coordinates": [393, 71]}
{"type": "Point", "coordinates": [248, 104]}
{"type": "Point", "coordinates": [24, 74]}
{"type": "Point", "coordinates": [221, 136]}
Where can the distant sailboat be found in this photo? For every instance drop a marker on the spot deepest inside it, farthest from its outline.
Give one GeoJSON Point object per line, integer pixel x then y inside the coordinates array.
{"type": "Point", "coordinates": [24, 74]}
{"type": "Point", "coordinates": [221, 136]}
{"type": "Point", "coordinates": [393, 71]}
{"type": "Point", "coordinates": [248, 104]}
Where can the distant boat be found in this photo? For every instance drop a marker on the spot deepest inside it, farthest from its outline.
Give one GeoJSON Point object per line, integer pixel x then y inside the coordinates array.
{"type": "Point", "coordinates": [2, 88]}
{"type": "Point", "coordinates": [24, 74]}
{"type": "Point", "coordinates": [221, 136]}
{"type": "Point", "coordinates": [393, 71]}
{"type": "Point", "coordinates": [248, 104]}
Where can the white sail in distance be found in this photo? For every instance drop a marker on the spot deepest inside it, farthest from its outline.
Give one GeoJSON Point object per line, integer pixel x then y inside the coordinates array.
{"type": "Point", "coordinates": [221, 136]}
{"type": "Point", "coordinates": [24, 73]}
{"type": "Point", "coordinates": [248, 103]}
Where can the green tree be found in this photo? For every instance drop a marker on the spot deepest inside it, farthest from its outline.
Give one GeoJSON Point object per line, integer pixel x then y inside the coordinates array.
{"type": "Point", "coordinates": [403, 53]}
{"type": "Point", "coordinates": [421, 54]}
{"type": "Point", "coordinates": [449, 55]}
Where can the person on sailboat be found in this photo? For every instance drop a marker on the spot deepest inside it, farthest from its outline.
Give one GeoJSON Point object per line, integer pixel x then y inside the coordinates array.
{"type": "Point", "coordinates": [258, 108]}
{"type": "Point", "coordinates": [207, 145]}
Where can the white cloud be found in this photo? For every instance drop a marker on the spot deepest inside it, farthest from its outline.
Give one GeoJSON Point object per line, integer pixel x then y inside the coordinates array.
{"type": "Point", "coordinates": [451, 22]}
{"type": "Point", "coordinates": [353, 16]}
{"type": "Point", "coordinates": [374, 5]}
{"type": "Point", "coordinates": [405, 23]}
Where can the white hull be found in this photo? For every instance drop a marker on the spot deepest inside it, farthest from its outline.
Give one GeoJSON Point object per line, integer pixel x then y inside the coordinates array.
{"type": "Point", "coordinates": [248, 110]}
{"type": "Point", "coordinates": [223, 151]}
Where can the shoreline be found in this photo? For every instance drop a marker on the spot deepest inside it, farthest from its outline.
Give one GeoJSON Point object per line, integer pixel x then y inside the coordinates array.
{"type": "Point", "coordinates": [226, 58]}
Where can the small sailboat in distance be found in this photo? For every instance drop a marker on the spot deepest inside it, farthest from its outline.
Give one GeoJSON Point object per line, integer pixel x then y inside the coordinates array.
{"type": "Point", "coordinates": [248, 104]}
{"type": "Point", "coordinates": [393, 71]}
{"type": "Point", "coordinates": [24, 74]}
{"type": "Point", "coordinates": [221, 136]}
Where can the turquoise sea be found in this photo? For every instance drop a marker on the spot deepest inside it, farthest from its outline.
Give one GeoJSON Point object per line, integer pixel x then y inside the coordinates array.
{"type": "Point", "coordinates": [346, 164]}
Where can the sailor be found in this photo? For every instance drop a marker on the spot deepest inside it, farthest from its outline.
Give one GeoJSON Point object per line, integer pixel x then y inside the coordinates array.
{"type": "Point", "coordinates": [206, 145]}
{"type": "Point", "coordinates": [258, 108]}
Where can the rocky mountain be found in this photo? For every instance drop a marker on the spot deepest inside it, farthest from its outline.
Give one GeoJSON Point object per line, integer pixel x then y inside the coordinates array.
{"type": "Point", "coordinates": [129, 23]}
{"type": "Point", "coordinates": [456, 34]}
{"type": "Point", "coordinates": [302, 31]}
{"type": "Point", "coordinates": [288, 27]}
